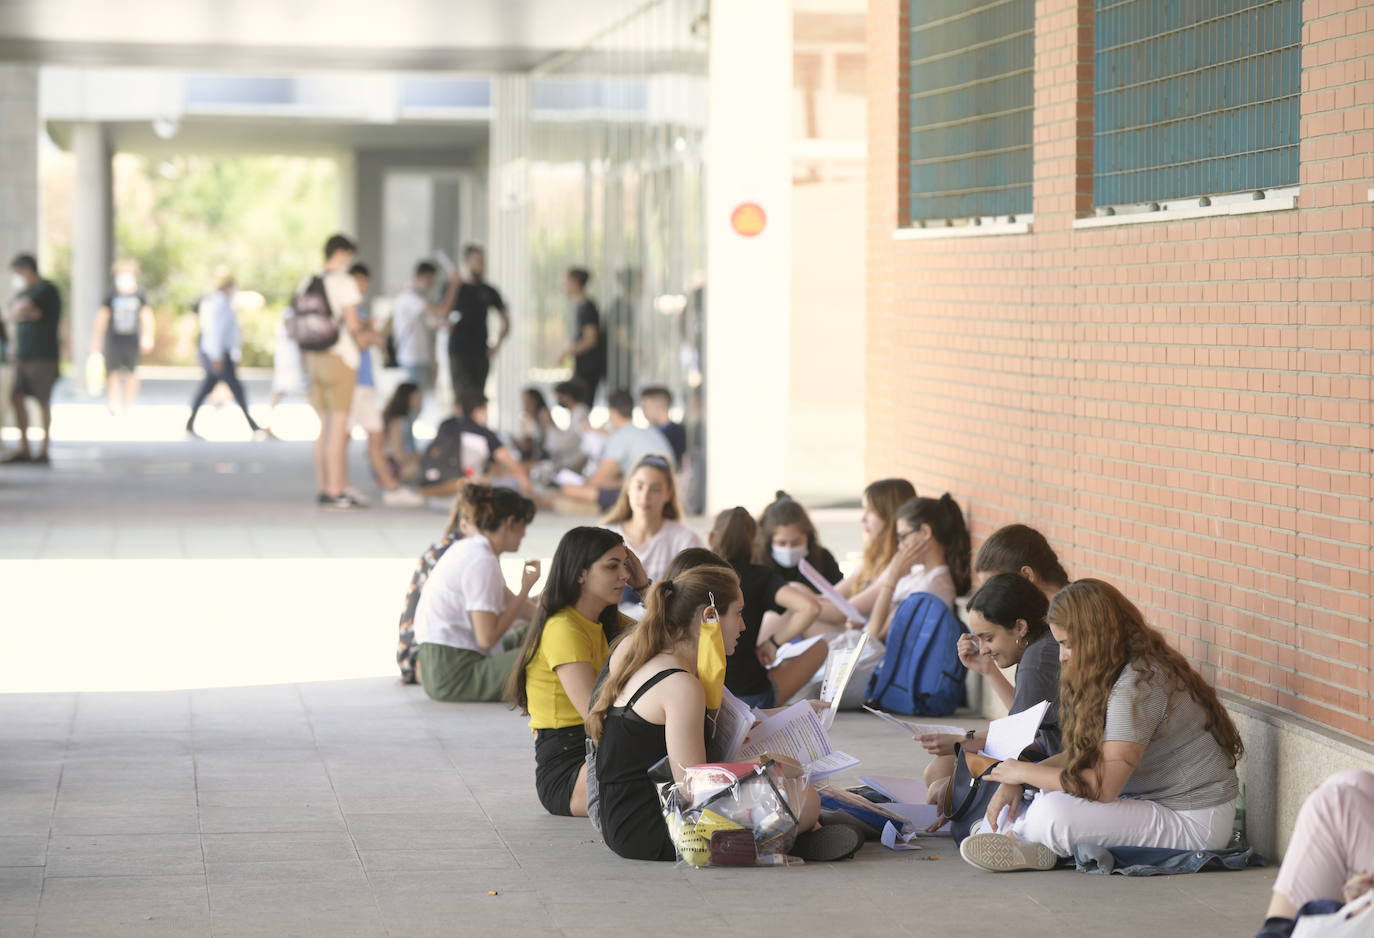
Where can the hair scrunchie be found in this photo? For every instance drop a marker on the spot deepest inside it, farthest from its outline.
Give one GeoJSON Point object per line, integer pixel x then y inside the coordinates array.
{"type": "Point", "coordinates": [668, 587]}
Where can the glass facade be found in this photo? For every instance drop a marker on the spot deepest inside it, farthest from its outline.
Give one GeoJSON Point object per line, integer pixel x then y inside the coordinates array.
{"type": "Point", "coordinates": [1196, 98]}
{"type": "Point", "coordinates": [607, 175]}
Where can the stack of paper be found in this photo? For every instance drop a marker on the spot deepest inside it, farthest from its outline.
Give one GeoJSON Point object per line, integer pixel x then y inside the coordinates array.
{"type": "Point", "coordinates": [798, 734]}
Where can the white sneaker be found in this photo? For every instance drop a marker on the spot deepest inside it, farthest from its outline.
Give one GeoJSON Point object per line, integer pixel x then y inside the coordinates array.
{"type": "Point", "coordinates": [403, 498]}
{"type": "Point", "coordinates": [1001, 853]}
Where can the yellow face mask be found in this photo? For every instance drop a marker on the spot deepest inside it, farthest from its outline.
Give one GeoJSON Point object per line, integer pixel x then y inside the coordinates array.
{"type": "Point", "coordinates": [711, 657]}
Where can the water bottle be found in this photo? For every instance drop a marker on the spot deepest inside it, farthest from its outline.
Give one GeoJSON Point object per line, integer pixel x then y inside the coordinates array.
{"type": "Point", "coordinates": [1239, 838]}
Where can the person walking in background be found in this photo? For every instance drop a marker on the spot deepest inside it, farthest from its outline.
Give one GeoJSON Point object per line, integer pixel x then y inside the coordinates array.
{"type": "Point", "coordinates": [469, 298]}
{"type": "Point", "coordinates": [367, 404]}
{"type": "Point", "coordinates": [124, 329]}
{"type": "Point", "coordinates": [588, 347]}
{"type": "Point", "coordinates": [413, 321]}
{"type": "Point", "coordinates": [6, 381]}
{"type": "Point", "coordinates": [333, 372]}
{"type": "Point", "coordinates": [220, 348]}
{"type": "Point", "coordinates": [34, 314]}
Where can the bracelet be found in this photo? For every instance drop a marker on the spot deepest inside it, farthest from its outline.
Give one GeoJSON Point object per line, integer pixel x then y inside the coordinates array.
{"type": "Point", "coordinates": [640, 589]}
{"type": "Point", "coordinates": [969, 735]}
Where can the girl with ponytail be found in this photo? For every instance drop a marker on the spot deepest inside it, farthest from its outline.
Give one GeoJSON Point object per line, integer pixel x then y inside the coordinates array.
{"type": "Point", "coordinates": [934, 555]}
{"type": "Point", "coordinates": [652, 706]}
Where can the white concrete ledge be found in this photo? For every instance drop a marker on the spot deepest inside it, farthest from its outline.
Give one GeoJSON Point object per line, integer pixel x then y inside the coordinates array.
{"type": "Point", "coordinates": [983, 230]}
{"type": "Point", "coordinates": [1275, 200]}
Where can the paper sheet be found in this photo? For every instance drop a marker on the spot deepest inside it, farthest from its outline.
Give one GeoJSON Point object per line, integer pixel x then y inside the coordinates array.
{"type": "Point", "coordinates": [846, 608]}
{"type": "Point", "coordinates": [920, 816]}
{"type": "Point", "coordinates": [730, 727]}
{"type": "Point", "coordinates": [900, 790]}
{"type": "Point", "coordinates": [798, 734]}
{"type": "Point", "coordinates": [792, 649]}
{"type": "Point", "coordinates": [1009, 736]}
{"type": "Point", "coordinates": [1354, 920]}
{"type": "Point", "coordinates": [917, 729]}
{"type": "Point", "coordinates": [892, 840]}
{"type": "Point", "coordinates": [839, 669]}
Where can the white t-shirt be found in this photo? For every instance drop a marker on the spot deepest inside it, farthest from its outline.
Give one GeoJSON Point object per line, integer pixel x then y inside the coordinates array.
{"type": "Point", "coordinates": [936, 581]}
{"type": "Point", "coordinates": [657, 555]}
{"type": "Point", "coordinates": [466, 579]}
{"type": "Point", "coordinates": [409, 329]}
{"type": "Point", "coordinates": [341, 290]}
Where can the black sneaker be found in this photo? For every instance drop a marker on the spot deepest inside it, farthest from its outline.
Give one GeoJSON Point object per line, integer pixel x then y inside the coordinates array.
{"type": "Point", "coordinates": [323, 499]}
{"type": "Point", "coordinates": [827, 843]}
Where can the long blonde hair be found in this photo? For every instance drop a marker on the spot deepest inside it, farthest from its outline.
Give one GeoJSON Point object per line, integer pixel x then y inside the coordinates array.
{"type": "Point", "coordinates": [670, 616]}
{"type": "Point", "coordinates": [621, 511]}
{"type": "Point", "coordinates": [1107, 632]}
{"type": "Point", "coordinates": [884, 497]}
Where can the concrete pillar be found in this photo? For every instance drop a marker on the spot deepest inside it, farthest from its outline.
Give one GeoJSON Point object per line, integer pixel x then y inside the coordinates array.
{"type": "Point", "coordinates": [92, 233]}
{"type": "Point", "coordinates": [748, 283]}
{"type": "Point", "coordinates": [445, 222]}
{"type": "Point", "coordinates": [508, 261]}
{"type": "Point", "coordinates": [18, 164]}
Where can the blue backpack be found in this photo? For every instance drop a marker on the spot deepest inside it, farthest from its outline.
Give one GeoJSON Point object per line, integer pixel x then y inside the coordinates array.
{"type": "Point", "coordinates": [920, 673]}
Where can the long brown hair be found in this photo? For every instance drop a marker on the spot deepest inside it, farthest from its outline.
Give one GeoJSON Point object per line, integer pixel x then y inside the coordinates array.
{"type": "Point", "coordinates": [1017, 545]}
{"type": "Point", "coordinates": [1107, 632]}
{"type": "Point", "coordinates": [884, 497]}
{"type": "Point", "coordinates": [733, 536]}
{"type": "Point", "coordinates": [670, 615]}
{"type": "Point", "coordinates": [621, 511]}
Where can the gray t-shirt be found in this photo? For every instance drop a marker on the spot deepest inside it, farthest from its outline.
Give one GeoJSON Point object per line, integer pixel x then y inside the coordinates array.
{"type": "Point", "coordinates": [628, 445]}
{"type": "Point", "coordinates": [1183, 768]}
{"type": "Point", "coordinates": [1037, 679]}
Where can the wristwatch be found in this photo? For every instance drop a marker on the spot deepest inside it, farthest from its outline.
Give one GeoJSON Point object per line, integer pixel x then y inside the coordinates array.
{"type": "Point", "coordinates": [969, 735]}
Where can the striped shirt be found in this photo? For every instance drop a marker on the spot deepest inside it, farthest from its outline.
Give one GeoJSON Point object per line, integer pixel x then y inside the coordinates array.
{"type": "Point", "coordinates": [1183, 768]}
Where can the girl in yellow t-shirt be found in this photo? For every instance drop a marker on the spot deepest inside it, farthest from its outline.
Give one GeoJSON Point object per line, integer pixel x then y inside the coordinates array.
{"type": "Point", "coordinates": [564, 651]}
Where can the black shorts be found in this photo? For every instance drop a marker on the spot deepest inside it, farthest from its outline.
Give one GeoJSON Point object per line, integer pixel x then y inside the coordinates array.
{"type": "Point", "coordinates": [121, 353]}
{"type": "Point", "coordinates": [469, 372]}
{"type": "Point", "coordinates": [35, 377]}
{"type": "Point", "coordinates": [558, 756]}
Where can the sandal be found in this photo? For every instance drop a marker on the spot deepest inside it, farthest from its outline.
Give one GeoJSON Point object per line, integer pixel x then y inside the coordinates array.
{"type": "Point", "coordinates": [828, 843]}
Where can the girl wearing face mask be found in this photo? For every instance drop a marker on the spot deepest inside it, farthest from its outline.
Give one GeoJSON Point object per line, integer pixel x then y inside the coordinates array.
{"type": "Point", "coordinates": [566, 647]}
{"type": "Point", "coordinates": [879, 521]}
{"type": "Point", "coordinates": [124, 329]}
{"type": "Point", "coordinates": [933, 556]}
{"type": "Point", "coordinates": [647, 514]}
{"type": "Point", "coordinates": [751, 674]}
{"type": "Point", "coordinates": [1006, 619]}
{"type": "Point", "coordinates": [652, 705]}
{"type": "Point", "coordinates": [464, 620]}
{"type": "Point", "coordinates": [787, 537]}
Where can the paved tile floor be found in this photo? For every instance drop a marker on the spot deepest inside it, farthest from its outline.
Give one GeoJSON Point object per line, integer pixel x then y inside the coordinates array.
{"type": "Point", "coordinates": [209, 741]}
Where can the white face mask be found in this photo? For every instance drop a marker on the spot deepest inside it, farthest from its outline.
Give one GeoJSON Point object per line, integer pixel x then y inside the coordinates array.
{"type": "Point", "coordinates": [126, 283]}
{"type": "Point", "coordinates": [788, 556]}
{"type": "Point", "coordinates": [18, 282]}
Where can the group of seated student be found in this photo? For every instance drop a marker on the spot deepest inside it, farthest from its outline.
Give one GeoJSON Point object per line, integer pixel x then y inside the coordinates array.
{"type": "Point", "coordinates": [465, 449]}
{"type": "Point", "coordinates": [1136, 749]}
{"type": "Point", "coordinates": [625, 447]}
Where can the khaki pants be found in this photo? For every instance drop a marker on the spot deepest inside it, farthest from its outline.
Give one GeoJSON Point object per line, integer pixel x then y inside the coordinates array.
{"type": "Point", "coordinates": [460, 674]}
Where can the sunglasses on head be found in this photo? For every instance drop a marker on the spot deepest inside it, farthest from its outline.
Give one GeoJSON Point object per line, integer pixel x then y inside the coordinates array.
{"type": "Point", "coordinates": [654, 462]}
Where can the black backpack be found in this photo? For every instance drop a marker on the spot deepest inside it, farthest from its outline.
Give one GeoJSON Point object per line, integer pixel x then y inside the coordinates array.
{"type": "Point", "coordinates": [309, 321]}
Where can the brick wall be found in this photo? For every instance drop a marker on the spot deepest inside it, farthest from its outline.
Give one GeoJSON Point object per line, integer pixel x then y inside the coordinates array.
{"type": "Point", "coordinates": [1183, 407]}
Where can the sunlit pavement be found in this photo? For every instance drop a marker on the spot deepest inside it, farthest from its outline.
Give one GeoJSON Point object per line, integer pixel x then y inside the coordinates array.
{"type": "Point", "coordinates": [200, 733]}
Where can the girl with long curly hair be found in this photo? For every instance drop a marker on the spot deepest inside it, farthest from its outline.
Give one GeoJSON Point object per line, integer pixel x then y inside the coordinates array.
{"type": "Point", "coordinates": [1149, 754]}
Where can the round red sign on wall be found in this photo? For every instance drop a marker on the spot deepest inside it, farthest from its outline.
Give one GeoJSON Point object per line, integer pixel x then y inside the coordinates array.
{"type": "Point", "coordinates": [748, 219]}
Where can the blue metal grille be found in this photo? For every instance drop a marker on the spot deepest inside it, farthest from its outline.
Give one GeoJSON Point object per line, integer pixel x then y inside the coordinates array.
{"type": "Point", "coordinates": [972, 82]}
{"type": "Point", "coordinates": [1195, 97]}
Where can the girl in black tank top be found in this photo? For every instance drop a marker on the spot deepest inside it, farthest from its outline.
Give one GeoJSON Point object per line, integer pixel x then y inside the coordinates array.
{"type": "Point", "coordinates": [631, 819]}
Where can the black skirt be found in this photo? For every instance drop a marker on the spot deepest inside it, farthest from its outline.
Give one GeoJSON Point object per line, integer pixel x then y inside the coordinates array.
{"type": "Point", "coordinates": [558, 756]}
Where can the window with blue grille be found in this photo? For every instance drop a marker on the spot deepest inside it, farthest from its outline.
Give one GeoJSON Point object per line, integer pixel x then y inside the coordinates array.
{"type": "Point", "coordinates": [1195, 97]}
{"type": "Point", "coordinates": [971, 93]}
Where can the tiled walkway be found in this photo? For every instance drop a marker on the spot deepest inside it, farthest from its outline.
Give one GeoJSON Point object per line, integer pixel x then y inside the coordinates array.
{"type": "Point", "coordinates": [296, 790]}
